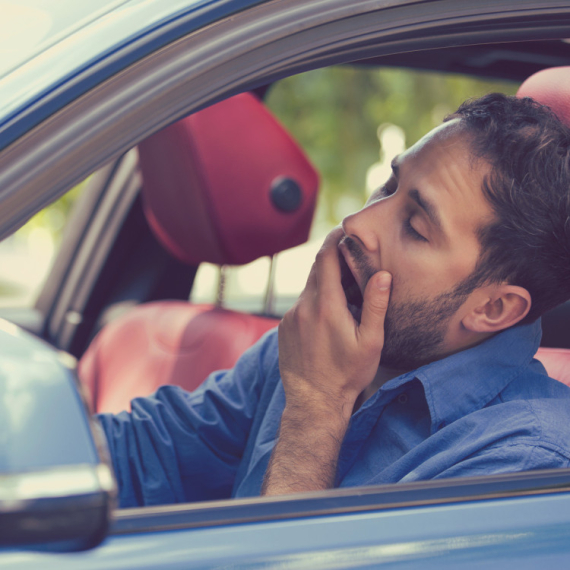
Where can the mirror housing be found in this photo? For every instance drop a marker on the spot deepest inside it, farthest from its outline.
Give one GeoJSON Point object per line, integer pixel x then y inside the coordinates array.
{"type": "Point", "coordinates": [57, 488]}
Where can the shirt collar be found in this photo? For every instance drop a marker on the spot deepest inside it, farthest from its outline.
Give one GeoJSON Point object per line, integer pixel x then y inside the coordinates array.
{"type": "Point", "coordinates": [468, 380]}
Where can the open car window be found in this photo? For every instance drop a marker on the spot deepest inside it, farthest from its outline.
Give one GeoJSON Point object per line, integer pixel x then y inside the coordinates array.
{"type": "Point", "coordinates": [351, 121]}
{"type": "Point", "coordinates": [27, 256]}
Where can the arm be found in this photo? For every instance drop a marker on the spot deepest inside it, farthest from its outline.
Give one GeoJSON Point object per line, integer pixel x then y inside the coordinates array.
{"type": "Point", "coordinates": [179, 446]}
{"type": "Point", "coordinates": [326, 360]}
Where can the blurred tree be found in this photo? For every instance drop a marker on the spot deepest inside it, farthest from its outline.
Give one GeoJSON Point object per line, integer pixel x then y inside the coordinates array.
{"type": "Point", "coordinates": [335, 112]}
{"type": "Point", "coordinates": [26, 255]}
{"type": "Point", "coordinates": [52, 218]}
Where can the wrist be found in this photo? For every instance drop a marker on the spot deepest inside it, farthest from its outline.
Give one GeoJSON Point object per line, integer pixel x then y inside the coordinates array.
{"type": "Point", "coordinates": [317, 400]}
{"type": "Point", "coordinates": [305, 416]}
{"type": "Point", "coordinates": [310, 437]}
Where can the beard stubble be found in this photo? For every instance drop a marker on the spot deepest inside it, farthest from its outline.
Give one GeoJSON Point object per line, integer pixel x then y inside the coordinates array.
{"type": "Point", "coordinates": [414, 330]}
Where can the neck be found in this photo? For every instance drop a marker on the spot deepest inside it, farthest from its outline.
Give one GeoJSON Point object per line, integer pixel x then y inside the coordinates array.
{"type": "Point", "coordinates": [386, 373]}
{"type": "Point", "coordinates": [383, 374]}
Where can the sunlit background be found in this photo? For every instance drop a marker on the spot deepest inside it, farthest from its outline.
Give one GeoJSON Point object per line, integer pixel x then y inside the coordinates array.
{"type": "Point", "coordinates": [351, 121]}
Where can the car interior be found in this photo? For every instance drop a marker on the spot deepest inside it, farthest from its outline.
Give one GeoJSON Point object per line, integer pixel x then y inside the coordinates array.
{"type": "Point", "coordinates": [206, 200]}
{"type": "Point", "coordinates": [226, 185]}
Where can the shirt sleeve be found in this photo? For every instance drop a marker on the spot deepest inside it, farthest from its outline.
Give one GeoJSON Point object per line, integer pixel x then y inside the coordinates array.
{"type": "Point", "coordinates": [506, 459]}
{"type": "Point", "coordinates": [179, 446]}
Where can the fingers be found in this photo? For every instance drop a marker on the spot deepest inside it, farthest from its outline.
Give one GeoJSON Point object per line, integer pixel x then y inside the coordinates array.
{"type": "Point", "coordinates": [326, 265]}
{"type": "Point", "coordinates": [327, 268]}
{"type": "Point", "coordinates": [376, 297]}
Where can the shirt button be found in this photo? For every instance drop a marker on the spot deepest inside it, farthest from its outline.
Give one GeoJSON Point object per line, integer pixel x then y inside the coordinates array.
{"type": "Point", "coordinates": [403, 398]}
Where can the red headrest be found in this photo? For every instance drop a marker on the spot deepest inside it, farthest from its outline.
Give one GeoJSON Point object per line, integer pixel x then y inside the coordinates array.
{"type": "Point", "coordinates": [227, 185]}
{"type": "Point", "coordinates": [550, 87]}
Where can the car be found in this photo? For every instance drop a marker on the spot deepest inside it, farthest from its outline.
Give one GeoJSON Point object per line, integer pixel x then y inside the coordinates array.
{"type": "Point", "coordinates": [90, 91]}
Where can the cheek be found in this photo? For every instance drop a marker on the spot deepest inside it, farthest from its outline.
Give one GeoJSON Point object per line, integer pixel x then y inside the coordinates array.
{"type": "Point", "coordinates": [420, 272]}
{"type": "Point", "coordinates": [401, 291]}
{"type": "Point", "coordinates": [423, 280]}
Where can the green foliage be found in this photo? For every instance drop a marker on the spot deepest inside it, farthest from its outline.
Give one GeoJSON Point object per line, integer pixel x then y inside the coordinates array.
{"type": "Point", "coordinates": [334, 113]}
{"type": "Point", "coordinates": [54, 217]}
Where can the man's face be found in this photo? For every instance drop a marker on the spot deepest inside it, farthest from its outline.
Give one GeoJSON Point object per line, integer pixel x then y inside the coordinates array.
{"type": "Point", "coordinates": [421, 226]}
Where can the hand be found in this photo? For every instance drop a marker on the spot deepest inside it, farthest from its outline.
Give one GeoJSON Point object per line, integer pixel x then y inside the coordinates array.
{"type": "Point", "coordinates": [326, 358]}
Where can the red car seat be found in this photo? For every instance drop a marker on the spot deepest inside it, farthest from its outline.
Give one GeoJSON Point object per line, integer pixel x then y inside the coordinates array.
{"type": "Point", "coordinates": [552, 87]}
{"type": "Point", "coordinates": [225, 185]}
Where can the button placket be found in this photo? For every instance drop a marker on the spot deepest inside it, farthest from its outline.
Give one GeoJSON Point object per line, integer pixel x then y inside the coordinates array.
{"type": "Point", "coordinates": [403, 398]}
{"type": "Point", "coordinates": [360, 427]}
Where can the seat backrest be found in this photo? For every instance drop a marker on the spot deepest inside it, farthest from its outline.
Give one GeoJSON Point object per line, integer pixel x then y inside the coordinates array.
{"type": "Point", "coordinates": [225, 185]}
{"type": "Point", "coordinates": [557, 363]}
{"type": "Point", "coordinates": [551, 87]}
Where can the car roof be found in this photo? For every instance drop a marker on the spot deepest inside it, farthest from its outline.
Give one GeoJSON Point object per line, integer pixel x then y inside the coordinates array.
{"type": "Point", "coordinates": [47, 43]}
{"type": "Point", "coordinates": [32, 26]}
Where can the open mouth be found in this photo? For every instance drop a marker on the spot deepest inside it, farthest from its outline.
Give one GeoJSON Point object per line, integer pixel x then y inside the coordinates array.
{"type": "Point", "coordinates": [351, 289]}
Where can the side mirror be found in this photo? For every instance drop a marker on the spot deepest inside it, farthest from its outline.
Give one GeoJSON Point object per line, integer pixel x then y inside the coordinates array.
{"type": "Point", "coordinates": [57, 488]}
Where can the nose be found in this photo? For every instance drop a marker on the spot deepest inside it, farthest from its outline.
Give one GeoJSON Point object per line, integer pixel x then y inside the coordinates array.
{"type": "Point", "coordinates": [369, 225]}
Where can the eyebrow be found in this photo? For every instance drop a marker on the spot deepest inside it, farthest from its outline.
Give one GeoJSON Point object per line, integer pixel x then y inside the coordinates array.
{"type": "Point", "coordinates": [428, 207]}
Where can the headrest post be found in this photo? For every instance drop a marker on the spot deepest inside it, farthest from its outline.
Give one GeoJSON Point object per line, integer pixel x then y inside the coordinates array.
{"type": "Point", "coordinates": [269, 303]}
{"type": "Point", "coordinates": [222, 277]}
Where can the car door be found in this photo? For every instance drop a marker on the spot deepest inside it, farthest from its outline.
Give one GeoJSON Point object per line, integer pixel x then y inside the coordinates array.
{"type": "Point", "coordinates": [518, 521]}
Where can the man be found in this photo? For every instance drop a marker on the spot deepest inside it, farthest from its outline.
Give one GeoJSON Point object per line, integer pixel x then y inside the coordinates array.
{"type": "Point", "coordinates": [409, 354]}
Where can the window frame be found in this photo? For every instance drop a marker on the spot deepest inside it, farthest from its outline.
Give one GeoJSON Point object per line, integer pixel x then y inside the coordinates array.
{"type": "Point", "coordinates": [340, 501]}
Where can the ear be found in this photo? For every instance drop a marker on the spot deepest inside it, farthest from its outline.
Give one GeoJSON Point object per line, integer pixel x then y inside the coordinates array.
{"type": "Point", "coordinates": [496, 308]}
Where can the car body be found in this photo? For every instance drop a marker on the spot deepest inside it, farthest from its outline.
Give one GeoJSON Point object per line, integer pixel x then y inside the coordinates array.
{"type": "Point", "coordinates": [84, 85]}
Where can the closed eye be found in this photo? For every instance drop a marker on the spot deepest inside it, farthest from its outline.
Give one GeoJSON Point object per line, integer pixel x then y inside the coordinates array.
{"type": "Point", "coordinates": [414, 234]}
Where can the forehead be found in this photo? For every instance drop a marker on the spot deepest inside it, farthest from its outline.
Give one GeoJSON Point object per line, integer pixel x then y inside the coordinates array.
{"type": "Point", "coordinates": [443, 169]}
{"type": "Point", "coordinates": [449, 142]}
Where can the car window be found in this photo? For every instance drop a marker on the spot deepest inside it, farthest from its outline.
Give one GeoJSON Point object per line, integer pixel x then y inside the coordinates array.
{"type": "Point", "coordinates": [26, 256]}
{"type": "Point", "coordinates": [351, 121]}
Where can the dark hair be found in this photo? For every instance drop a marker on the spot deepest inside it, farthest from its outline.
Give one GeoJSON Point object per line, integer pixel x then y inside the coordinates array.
{"type": "Point", "coordinates": [528, 244]}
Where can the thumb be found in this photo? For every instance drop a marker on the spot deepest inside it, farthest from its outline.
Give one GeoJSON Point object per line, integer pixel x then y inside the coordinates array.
{"type": "Point", "coordinates": [376, 297]}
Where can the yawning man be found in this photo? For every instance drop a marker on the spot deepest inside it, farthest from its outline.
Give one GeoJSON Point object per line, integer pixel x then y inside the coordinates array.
{"type": "Point", "coordinates": [409, 354]}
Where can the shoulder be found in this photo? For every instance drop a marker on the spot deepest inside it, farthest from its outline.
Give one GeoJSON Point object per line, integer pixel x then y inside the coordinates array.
{"type": "Point", "coordinates": [532, 382]}
{"type": "Point", "coordinates": [520, 434]}
{"type": "Point", "coordinates": [261, 359]}
{"type": "Point", "coordinates": [268, 344]}
{"type": "Point", "coordinates": [535, 409]}
{"type": "Point", "coordinates": [507, 456]}
{"type": "Point", "coordinates": [236, 390]}
{"type": "Point", "coordinates": [258, 365]}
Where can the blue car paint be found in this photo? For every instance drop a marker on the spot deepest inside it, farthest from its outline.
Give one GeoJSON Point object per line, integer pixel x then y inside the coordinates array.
{"type": "Point", "coordinates": [42, 421]}
{"type": "Point", "coordinates": [505, 533]}
{"type": "Point", "coordinates": [77, 59]}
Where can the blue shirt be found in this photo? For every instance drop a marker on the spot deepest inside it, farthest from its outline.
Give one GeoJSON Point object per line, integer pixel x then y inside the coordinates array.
{"type": "Point", "coordinates": [489, 409]}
